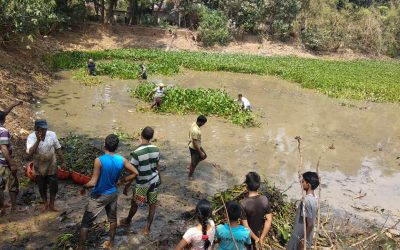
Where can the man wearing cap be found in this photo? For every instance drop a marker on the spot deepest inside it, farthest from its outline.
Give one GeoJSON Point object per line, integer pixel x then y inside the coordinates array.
{"type": "Point", "coordinates": [8, 169]}
{"type": "Point", "coordinates": [158, 95]}
{"type": "Point", "coordinates": [43, 145]}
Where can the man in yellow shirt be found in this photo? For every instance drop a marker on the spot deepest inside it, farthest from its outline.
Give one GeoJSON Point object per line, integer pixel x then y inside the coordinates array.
{"type": "Point", "coordinates": [197, 153]}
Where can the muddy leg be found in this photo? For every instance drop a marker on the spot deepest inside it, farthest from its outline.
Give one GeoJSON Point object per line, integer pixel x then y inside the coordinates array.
{"type": "Point", "coordinates": [53, 188]}
{"type": "Point", "coordinates": [82, 238]}
{"type": "Point", "coordinates": [113, 231]}
{"type": "Point", "coordinates": [42, 185]}
{"type": "Point", "coordinates": [2, 208]}
{"type": "Point", "coordinates": [150, 217]}
{"type": "Point", "coordinates": [13, 199]}
{"type": "Point", "coordinates": [132, 211]}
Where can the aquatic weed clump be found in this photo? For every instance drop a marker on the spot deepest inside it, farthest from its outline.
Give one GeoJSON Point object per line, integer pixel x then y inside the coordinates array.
{"type": "Point", "coordinates": [283, 210]}
{"type": "Point", "coordinates": [200, 100]}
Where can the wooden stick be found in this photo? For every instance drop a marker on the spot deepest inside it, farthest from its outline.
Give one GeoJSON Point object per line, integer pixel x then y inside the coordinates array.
{"type": "Point", "coordinates": [319, 207]}
{"type": "Point", "coordinates": [373, 236]}
{"type": "Point", "coordinates": [234, 198]}
{"type": "Point", "coordinates": [298, 138]}
{"type": "Point", "coordinates": [229, 223]}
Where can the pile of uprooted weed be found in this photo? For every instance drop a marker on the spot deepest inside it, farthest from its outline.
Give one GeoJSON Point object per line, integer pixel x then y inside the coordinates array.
{"type": "Point", "coordinates": [331, 233]}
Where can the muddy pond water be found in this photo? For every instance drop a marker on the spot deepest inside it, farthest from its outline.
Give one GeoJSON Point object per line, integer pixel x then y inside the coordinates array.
{"type": "Point", "coordinates": [358, 142]}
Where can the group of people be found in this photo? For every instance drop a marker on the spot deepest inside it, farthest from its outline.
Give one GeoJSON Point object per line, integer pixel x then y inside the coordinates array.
{"type": "Point", "coordinates": [248, 221]}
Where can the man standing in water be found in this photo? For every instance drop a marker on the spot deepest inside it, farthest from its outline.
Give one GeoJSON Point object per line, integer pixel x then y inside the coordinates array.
{"type": "Point", "coordinates": [43, 145]}
{"type": "Point", "coordinates": [197, 153]}
{"type": "Point", "coordinates": [107, 170]}
{"type": "Point", "coordinates": [146, 159]}
{"type": "Point", "coordinates": [158, 95]}
{"type": "Point", "coordinates": [8, 169]}
{"type": "Point", "coordinates": [244, 102]}
{"type": "Point", "coordinates": [308, 208]}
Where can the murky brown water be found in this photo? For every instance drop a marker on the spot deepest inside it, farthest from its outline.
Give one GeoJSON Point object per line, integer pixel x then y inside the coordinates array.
{"type": "Point", "coordinates": [358, 141]}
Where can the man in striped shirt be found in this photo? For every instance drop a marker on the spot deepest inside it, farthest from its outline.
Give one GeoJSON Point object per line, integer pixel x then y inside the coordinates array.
{"type": "Point", "coordinates": [146, 159]}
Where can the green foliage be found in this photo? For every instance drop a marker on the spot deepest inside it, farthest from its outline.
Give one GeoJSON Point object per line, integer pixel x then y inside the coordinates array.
{"type": "Point", "coordinates": [283, 15]}
{"type": "Point", "coordinates": [79, 153]}
{"type": "Point", "coordinates": [82, 75]}
{"type": "Point", "coordinates": [358, 79]}
{"type": "Point", "coordinates": [201, 101]}
{"type": "Point", "coordinates": [283, 211]}
{"type": "Point", "coordinates": [214, 27]}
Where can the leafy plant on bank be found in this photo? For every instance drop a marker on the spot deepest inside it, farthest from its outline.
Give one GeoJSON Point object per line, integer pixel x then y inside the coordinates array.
{"type": "Point", "coordinates": [202, 101]}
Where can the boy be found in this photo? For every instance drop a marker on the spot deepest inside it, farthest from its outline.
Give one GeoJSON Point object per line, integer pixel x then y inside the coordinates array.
{"type": "Point", "coordinates": [239, 232]}
{"type": "Point", "coordinates": [143, 73]}
{"type": "Point", "coordinates": [244, 102]}
{"type": "Point", "coordinates": [309, 207]}
{"type": "Point", "coordinates": [107, 170]}
{"type": "Point", "coordinates": [158, 95]}
{"type": "Point", "coordinates": [146, 159]}
{"type": "Point", "coordinates": [197, 152]}
{"type": "Point", "coordinates": [257, 214]}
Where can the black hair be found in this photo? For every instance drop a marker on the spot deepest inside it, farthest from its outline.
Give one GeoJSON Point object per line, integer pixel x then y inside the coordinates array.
{"type": "Point", "coordinates": [252, 181]}
{"type": "Point", "coordinates": [2, 116]}
{"type": "Point", "coordinates": [204, 212]}
{"type": "Point", "coordinates": [111, 143]}
{"type": "Point", "coordinates": [202, 119]}
{"type": "Point", "coordinates": [240, 95]}
{"type": "Point", "coordinates": [234, 210]}
{"type": "Point", "coordinates": [311, 178]}
{"type": "Point", "coordinates": [147, 133]}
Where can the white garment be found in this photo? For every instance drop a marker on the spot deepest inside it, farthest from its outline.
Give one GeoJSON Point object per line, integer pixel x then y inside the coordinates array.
{"type": "Point", "coordinates": [245, 102]}
{"type": "Point", "coordinates": [194, 236]}
{"type": "Point", "coordinates": [44, 160]}
{"type": "Point", "coordinates": [159, 92]}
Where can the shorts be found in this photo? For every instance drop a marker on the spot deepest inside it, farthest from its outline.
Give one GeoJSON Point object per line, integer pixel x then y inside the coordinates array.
{"type": "Point", "coordinates": [96, 204]}
{"type": "Point", "coordinates": [158, 101]}
{"type": "Point", "coordinates": [147, 194]}
{"type": "Point", "coordinates": [195, 156]}
{"type": "Point", "coordinates": [10, 181]}
{"type": "Point", "coordinates": [47, 181]}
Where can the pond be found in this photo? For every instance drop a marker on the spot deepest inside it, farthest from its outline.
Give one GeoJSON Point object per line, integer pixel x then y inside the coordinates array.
{"type": "Point", "coordinates": [358, 142]}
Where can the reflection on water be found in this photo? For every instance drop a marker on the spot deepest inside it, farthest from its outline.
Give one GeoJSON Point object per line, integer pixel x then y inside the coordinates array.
{"type": "Point", "coordinates": [358, 146]}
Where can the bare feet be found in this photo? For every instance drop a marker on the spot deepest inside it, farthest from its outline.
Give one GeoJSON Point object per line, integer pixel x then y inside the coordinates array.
{"type": "Point", "coordinates": [107, 245]}
{"type": "Point", "coordinates": [123, 223]}
{"type": "Point", "coordinates": [146, 231]}
{"type": "Point", "coordinates": [52, 208]}
{"type": "Point", "coordinates": [45, 207]}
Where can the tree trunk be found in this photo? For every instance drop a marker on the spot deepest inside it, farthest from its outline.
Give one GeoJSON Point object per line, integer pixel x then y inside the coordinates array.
{"type": "Point", "coordinates": [96, 9]}
{"type": "Point", "coordinates": [102, 11]}
{"type": "Point", "coordinates": [133, 12]}
{"type": "Point", "coordinates": [110, 12]}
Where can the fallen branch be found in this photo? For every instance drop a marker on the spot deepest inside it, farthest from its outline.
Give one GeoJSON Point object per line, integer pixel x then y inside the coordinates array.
{"type": "Point", "coordinates": [375, 235]}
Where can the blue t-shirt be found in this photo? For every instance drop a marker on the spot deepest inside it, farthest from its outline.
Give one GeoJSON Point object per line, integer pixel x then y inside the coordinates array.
{"type": "Point", "coordinates": [240, 233]}
{"type": "Point", "coordinates": [111, 168]}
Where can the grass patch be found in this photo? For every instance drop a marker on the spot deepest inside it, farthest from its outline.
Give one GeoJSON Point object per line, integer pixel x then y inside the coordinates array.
{"type": "Point", "coordinates": [179, 100]}
{"type": "Point", "coordinates": [357, 79]}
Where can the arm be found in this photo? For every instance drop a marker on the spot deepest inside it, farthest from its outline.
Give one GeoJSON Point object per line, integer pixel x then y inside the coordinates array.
{"type": "Point", "coordinates": [252, 234]}
{"type": "Point", "coordinates": [7, 156]}
{"type": "Point", "coordinates": [8, 110]}
{"type": "Point", "coordinates": [96, 174]}
{"type": "Point", "coordinates": [128, 166]}
{"type": "Point", "coordinates": [267, 227]}
{"type": "Point", "coordinates": [182, 244]}
{"type": "Point", "coordinates": [309, 226]}
{"type": "Point", "coordinates": [60, 157]}
{"type": "Point", "coordinates": [32, 147]}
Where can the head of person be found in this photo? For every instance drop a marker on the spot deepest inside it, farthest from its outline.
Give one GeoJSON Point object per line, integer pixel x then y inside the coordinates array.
{"type": "Point", "coordinates": [41, 126]}
{"type": "Point", "coordinates": [234, 211]}
{"type": "Point", "coordinates": [141, 66]}
{"type": "Point", "coordinates": [204, 212]}
{"type": "Point", "coordinates": [253, 181]}
{"type": "Point", "coordinates": [161, 85]}
{"type": "Point", "coordinates": [310, 180]}
{"type": "Point", "coordinates": [111, 143]}
{"type": "Point", "coordinates": [240, 96]}
{"type": "Point", "coordinates": [91, 60]}
{"type": "Point", "coordinates": [147, 133]}
{"type": "Point", "coordinates": [201, 120]}
{"type": "Point", "coordinates": [2, 117]}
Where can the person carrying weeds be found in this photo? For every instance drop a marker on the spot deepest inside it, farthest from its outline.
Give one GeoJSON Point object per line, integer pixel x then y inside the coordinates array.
{"type": "Point", "coordinates": [241, 235]}
{"type": "Point", "coordinates": [43, 146]}
{"type": "Point", "coordinates": [146, 159]}
{"type": "Point", "coordinates": [8, 168]}
{"type": "Point", "coordinates": [257, 214]}
{"type": "Point", "coordinates": [201, 236]}
{"type": "Point", "coordinates": [308, 208]}
{"type": "Point", "coordinates": [143, 72]}
{"type": "Point", "coordinates": [107, 170]}
{"type": "Point", "coordinates": [197, 153]}
{"type": "Point", "coordinates": [158, 95]}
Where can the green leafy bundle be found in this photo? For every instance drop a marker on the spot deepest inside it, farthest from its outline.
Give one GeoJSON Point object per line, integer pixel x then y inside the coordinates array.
{"type": "Point", "coordinates": [179, 100]}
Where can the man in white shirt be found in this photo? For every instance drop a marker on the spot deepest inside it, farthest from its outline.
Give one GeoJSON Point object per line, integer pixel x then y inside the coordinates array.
{"type": "Point", "coordinates": [43, 146]}
{"type": "Point", "coordinates": [158, 95]}
{"type": "Point", "coordinates": [244, 102]}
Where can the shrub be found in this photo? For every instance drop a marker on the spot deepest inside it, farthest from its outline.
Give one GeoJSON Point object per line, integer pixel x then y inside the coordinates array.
{"type": "Point", "coordinates": [214, 27]}
{"type": "Point", "coordinates": [283, 15]}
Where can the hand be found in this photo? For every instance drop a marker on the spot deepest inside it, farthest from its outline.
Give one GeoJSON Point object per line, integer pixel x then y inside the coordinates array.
{"type": "Point", "coordinates": [202, 155]}
{"type": "Point", "coordinates": [126, 189]}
